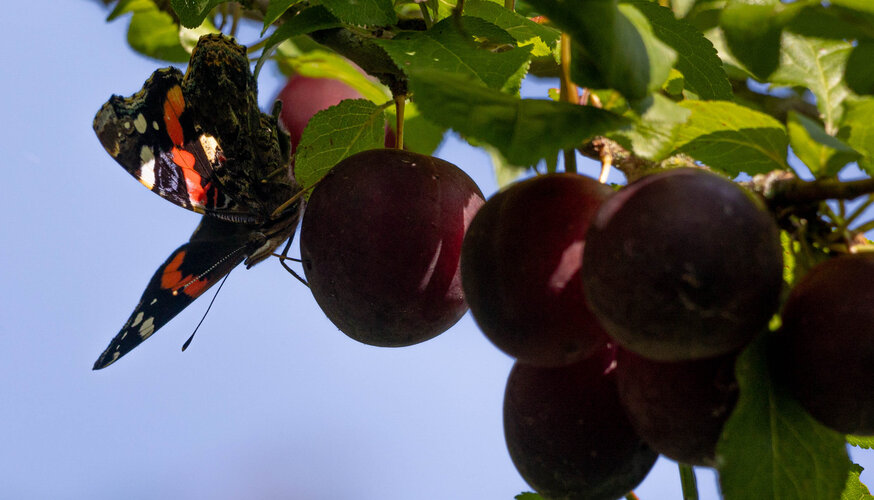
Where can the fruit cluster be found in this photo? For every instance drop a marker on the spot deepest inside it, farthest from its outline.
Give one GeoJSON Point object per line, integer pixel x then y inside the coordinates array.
{"type": "Point", "coordinates": [625, 311]}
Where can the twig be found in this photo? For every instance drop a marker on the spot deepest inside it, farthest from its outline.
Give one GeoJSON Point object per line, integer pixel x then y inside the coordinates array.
{"type": "Point", "coordinates": [568, 94]}
{"type": "Point", "coordinates": [688, 482]}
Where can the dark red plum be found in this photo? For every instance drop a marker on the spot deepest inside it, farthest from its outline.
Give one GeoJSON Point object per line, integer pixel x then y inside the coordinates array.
{"type": "Point", "coordinates": [683, 264]}
{"type": "Point", "coordinates": [678, 408]}
{"type": "Point", "coordinates": [568, 435]}
{"type": "Point", "coordinates": [520, 269]}
{"type": "Point", "coordinates": [381, 242]}
{"type": "Point", "coordinates": [828, 332]}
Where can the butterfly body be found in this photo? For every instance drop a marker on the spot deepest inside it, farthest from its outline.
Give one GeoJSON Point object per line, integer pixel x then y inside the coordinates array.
{"type": "Point", "coordinates": [200, 141]}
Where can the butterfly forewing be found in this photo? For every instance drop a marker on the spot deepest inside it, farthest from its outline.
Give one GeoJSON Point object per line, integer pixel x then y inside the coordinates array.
{"type": "Point", "coordinates": [152, 135]}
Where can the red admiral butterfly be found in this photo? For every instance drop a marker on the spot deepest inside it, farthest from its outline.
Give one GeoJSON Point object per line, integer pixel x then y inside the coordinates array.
{"type": "Point", "coordinates": [201, 142]}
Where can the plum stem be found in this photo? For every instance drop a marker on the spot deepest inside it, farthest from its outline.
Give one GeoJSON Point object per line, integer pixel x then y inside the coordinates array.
{"type": "Point", "coordinates": [235, 18]}
{"type": "Point", "coordinates": [400, 102]}
{"type": "Point", "coordinates": [688, 481]}
{"type": "Point", "coordinates": [568, 94]}
{"type": "Point", "coordinates": [426, 16]}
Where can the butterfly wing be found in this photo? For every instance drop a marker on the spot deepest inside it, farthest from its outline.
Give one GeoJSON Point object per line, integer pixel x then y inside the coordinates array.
{"type": "Point", "coordinates": [215, 248]}
{"type": "Point", "coordinates": [153, 136]}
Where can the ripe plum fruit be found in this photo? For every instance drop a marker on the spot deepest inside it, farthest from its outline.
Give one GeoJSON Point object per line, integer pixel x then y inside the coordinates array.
{"type": "Point", "coordinates": [678, 408]}
{"type": "Point", "coordinates": [520, 269]}
{"type": "Point", "coordinates": [683, 264]}
{"type": "Point", "coordinates": [567, 433]}
{"type": "Point", "coordinates": [381, 241]}
{"type": "Point", "coordinates": [828, 341]}
{"type": "Point", "coordinates": [302, 97]}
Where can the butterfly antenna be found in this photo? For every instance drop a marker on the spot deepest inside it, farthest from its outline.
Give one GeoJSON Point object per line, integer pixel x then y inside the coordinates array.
{"type": "Point", "coordinates": [187, 342]}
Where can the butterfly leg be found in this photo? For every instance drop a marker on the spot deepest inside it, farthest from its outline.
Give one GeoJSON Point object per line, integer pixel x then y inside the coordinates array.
{"type": "Point", "coordinates": [284, 256]}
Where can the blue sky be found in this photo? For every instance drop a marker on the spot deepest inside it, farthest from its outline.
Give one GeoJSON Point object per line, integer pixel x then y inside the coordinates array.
{"type": "Point", "coordinates": [270, 400]}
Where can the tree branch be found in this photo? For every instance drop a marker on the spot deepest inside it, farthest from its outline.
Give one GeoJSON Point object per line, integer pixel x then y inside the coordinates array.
{"type": "Point", "coordinates": [631, 165]}
{"type": "Point", "coordinates": [782, 188]}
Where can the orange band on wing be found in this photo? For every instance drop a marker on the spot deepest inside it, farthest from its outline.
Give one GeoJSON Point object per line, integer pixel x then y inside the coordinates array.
{"type": "Point", "coordinates": [172, 276]}
{"type": "Point", "coordinates": [193, 181]}
{"type": "Point", "coordinates": [172, 279]}
{"type": "Point", "coordinates": [173, 108]}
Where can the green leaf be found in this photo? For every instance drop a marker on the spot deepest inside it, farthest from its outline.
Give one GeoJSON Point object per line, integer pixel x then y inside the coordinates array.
{"type": "Point", "coordinates": [335, 133]}
{"type": "Point", "coordinates": [860, 5]}
{"type": "Point", "coordinates": [818, 65]}
{"type": "Point", "coordinates": [275, 9]}
{"type": "Point", "coordinates": [528, 496]}
{"type": "Point", "coordinates": [523, 130]}
{"type": "Point", "coordinates": [790, 249]}
{"type": "Point", "coordinates": [770, 447]}
{"type": "Point", "coordinates": [696, 58]}
{"type": "Point", "coordinates": [865, 442]}
{"type": "Point", "coordinates": [732, 138]}
{"type": "Point", "coordinates": [440, 9]}
{"type": "Point", "coordinates": [682, 7]}
{"type": "Point", "coordinates": [525, 31]}
{"type": "Point", "coordinates": [189, 37]}
{"type": "Point", "coordinates": [192, 12]}
{"type": "Point", "coordinates": [505, 172]}
{"type": "Point", "coordinates": [613, 46]}
{"type": "Point", "coordinates": [675, 84]}
{"type": "Point", "coordinates": [823, 154]}
{"type": "Point", "coordinates": [654, 130]}
{"type": "Point", "coordinates": [323, 64]}
{"type": "Point", "coordinates": [752, 34]}
{"type": "Point", "coordinates": [860, 72]}
{"type": "Point", "coordinates": [854, 489]}
{"type": "Point", "coordinates": [153, 33]}
{"type": "Point", "coordinates": [733, 68]}
{"type": "Point", "coordinates": [363, 12]}
{"type": "Point", "coordinates": [125, 6]}
{"type": "Point", "coordinates": [443, 48]}
{"type": "Point", "coordinates": [307, 21]}
{"type": "Point", "coordinates": [857, 130]}
{"type": "Point", "coordinates": [831, 22]}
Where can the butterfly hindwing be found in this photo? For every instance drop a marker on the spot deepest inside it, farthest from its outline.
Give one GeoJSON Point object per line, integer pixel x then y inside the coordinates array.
{"type": "Point", "coordinates": [153, 136]}
{"type": "Point", "coordinates": [215, 248]}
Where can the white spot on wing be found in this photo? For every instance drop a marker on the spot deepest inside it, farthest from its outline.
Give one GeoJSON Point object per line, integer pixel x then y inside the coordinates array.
{"type": "Point", "coordinates": [147, 170]}
{"type": "Point", "coordinates": [140, 123]}
{"type": "Point", "coordinates": [137, 319]}
{"type": "Point", "coordinates": [156, 126]}
{"type": "Point", "coordinates": [210, 146]}
{"type": "Point", "coordinates": [147, 328]}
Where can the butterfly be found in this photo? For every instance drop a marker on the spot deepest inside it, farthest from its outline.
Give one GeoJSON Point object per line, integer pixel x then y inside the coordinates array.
{"type": "Point", "coordinates": [199, 140]}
